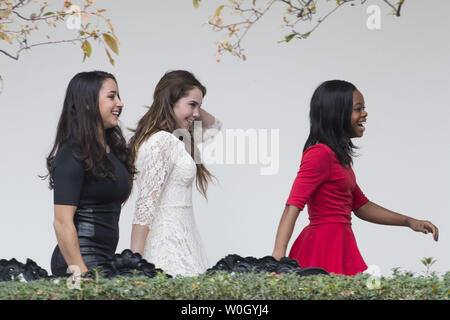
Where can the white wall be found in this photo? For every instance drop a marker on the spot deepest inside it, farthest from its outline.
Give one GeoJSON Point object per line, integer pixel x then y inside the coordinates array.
{"type": "Point", "coordinates": [402, 71]}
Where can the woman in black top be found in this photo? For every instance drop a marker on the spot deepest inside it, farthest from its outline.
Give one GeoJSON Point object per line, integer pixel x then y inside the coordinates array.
{"type": "Point", "coordinates": [90, 172]}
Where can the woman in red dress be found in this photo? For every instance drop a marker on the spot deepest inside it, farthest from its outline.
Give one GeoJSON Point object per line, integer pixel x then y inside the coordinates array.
{"type": "Point", "coordinates": [327, 184]}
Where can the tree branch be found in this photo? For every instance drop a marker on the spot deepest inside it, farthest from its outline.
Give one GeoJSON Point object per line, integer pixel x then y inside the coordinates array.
{"type": "Point", "coordinates": [300, 10]}
{"type": "Point", "coordinates": [400, 7]}
{"type": "Point", "coordinates": [52, 42]}
{"type": "Point", "coordinates": [21, 3]}
{"type": "Point", "coordinates": [9, 55]}
{"type": "Point", "coordinates": [391, 5]}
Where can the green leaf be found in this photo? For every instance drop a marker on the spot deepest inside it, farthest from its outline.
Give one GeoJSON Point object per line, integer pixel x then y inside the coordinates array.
{"type": "Point", "coordinates": [111, 42]}
{"type": "Point", "coordinates": [49, 14]}
{"type": "Point", "coordinates": [289, 37]}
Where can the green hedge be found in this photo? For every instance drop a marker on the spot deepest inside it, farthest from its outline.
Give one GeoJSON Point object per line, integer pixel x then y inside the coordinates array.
{"type": "Point", "coordinates": [245, 286]}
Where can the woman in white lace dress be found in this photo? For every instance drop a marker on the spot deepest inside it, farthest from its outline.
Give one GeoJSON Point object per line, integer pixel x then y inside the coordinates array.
{"type": "Point", "coordinates": [163, 146]}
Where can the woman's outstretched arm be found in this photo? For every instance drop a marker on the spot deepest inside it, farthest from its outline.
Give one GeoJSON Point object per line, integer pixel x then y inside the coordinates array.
{"type": "Point", "coordinates": [372, 212]}
{"type": "Point", "coordinates": [285, 229]}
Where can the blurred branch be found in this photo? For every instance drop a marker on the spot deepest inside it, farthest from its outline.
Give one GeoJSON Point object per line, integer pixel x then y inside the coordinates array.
{"type": "Point", "coordinates": [298, 13]}
{"type": "Point", "coordinates": [84, 23]}
{"type": "Point", "coordinates": [17, 28]}
{"type": "Point", "coordinates": [395, 8]}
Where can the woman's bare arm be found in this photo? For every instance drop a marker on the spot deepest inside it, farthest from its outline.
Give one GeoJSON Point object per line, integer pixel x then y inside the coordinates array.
{"type": "Point", "coordinates": [138, 237]}
{"type": "Point", "coordinates": [372, 212]}
{"type": "Point", "coordinates": [285, 229]}
{"type": "Point", "coordinates": [67, 237]}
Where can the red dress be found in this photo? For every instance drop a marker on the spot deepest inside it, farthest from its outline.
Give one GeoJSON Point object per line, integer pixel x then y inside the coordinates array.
{"type": "Point", "coordinates": [331, 193]}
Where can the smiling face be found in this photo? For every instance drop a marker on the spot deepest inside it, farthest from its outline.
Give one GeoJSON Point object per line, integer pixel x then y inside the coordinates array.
{"type": "Point", "coordinates": [187, 109]}
{"type": "Point", "coordinates": [109, 103]}
{"type": "Point", "coordinates": [359, 115]}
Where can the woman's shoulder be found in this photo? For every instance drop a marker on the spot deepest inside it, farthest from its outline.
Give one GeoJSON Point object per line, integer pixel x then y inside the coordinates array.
{"type": "Point", "coordinates": [318, 156]}
{"type": "Point", "coordinates": [319, 150]}
{"type": "Point", "coordinates": [161, 136]}
{"type": "Point", "coordinates": [159, 141]}
{"type": "Point", "coordinates": [68, 152]}
{"type": "Point", "coordinates": [67, 158]}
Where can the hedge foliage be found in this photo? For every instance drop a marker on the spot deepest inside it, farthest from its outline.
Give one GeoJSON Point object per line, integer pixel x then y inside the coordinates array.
{"type": "Point", "coordinates": [244, 286]}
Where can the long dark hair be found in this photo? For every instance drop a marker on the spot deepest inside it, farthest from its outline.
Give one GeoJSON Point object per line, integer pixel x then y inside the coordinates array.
{"type": "Point", "coordinates": [79, 126]}
{"type": "Point", "coordinates": [173, 86]}
{"type": "Point", "coordinates": [330, 113]}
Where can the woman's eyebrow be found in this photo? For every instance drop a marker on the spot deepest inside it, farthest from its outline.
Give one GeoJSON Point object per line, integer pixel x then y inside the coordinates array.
{"type": "Point", "coordinates": [113, 91]}
{"type": "Point", "coordinates": [194, 102]}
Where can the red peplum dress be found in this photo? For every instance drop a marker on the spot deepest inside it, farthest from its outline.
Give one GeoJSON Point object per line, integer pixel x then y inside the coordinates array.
{"type": "Point", "coordinates": [331, 193]}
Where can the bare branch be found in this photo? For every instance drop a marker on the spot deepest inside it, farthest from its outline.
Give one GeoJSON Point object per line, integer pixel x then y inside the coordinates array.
{"type": "Point", "coordinates": [21, 3]}
{"type": "Point", "coordinates": [300, 11]}
{"type": "Point", "coordinates": [9, 55]}
{"type": "Point", "coordinates": [52, 42]}
{"type": "Point", "coordinates": [400, 4]}
{"type": "Point", "coordinates": [390, 4]}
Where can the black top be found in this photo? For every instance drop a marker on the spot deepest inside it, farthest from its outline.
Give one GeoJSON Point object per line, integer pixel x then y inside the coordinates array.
{"type": "Point", "coordinates": [98, 206]}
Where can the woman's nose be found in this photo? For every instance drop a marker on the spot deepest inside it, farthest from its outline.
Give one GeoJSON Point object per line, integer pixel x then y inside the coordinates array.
{"type": "Point", "coordinates": [196, 113]}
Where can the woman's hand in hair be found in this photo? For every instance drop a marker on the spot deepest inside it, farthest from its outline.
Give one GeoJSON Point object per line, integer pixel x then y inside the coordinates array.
{"type": "Point", "coordinates": [424, 227]}
{"type": "Point", "coordinates": [206, 118]}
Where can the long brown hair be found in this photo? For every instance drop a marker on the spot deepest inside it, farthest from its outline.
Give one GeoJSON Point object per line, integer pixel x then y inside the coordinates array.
{"type": "Point", "coordinates": [79, 126]}
{"type": "Point", "coordinates": [173, 86]}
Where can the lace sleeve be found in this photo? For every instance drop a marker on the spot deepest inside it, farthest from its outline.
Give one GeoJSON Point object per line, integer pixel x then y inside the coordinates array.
{"type": "Point", "coordinates": [210, 132]}
{"type": "Point", "coordinates": [154, 163]}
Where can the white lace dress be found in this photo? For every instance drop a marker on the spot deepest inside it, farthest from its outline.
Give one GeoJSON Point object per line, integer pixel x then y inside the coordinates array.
{"type": "Point", "coordinates": [166, 173]}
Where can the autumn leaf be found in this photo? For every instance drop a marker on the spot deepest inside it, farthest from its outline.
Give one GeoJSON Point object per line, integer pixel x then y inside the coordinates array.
{"type": "Point", "coordinates": [4, 13]}
{"type": "Point", "coordinates": [4, 36]}
{"type": "Point", "coordinates": [196, 3]}
{"type": "Point", "coordinates": [218, 10]}
{"type": "Point", "coordinates": [87, 49]}
{"type": "Point", "coordinates": [111, 60]}
{"type": "Point", "coordinates": [111, 42]}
